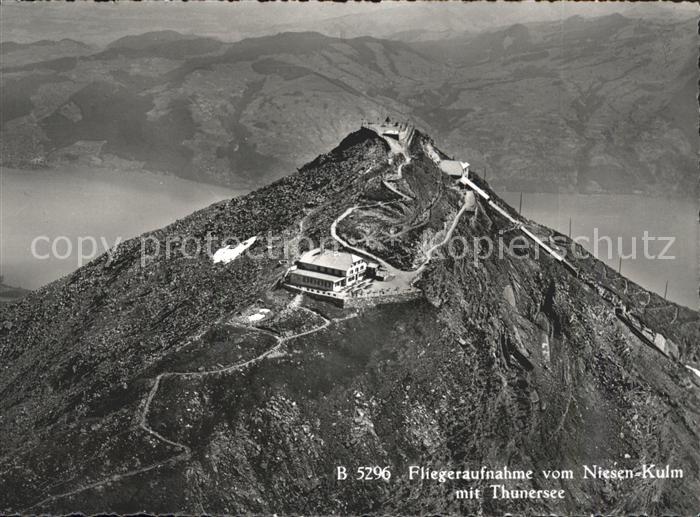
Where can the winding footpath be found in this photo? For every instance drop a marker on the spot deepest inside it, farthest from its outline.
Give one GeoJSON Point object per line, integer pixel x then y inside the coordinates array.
{"type": "Point", "coordinates": [185, 451]}
{"type": "Point", "coordinates": [429, 254]}
{"type": "Point", "coordinates": [347, 245]}
{"type": "Point", "coordinates": [396, 191]}
{"type": "Point", "coordinates": [412, 275]}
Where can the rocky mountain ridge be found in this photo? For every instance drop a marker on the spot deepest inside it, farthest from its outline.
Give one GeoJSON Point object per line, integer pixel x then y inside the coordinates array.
{"type": "Point", "coordinates": [143, 383]}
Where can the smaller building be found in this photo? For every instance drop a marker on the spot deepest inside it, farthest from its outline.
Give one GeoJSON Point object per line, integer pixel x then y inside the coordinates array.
{"type": "Point", "coordinates": [377, 272]}
{"type": "Point", "coordinates": [372, 269]}
{"type": "Point", "coordinates": [391, 133]}
{"type": "Point", "coordinates": [453, 168]}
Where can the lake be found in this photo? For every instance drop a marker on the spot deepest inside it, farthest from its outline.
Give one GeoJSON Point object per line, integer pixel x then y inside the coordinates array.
{"type": "Point", "coordinates": [108, 204]}
{"type": "Point", "coordinates": [625, 218]}
{"type": "Point", "coordinates": [65, 204]}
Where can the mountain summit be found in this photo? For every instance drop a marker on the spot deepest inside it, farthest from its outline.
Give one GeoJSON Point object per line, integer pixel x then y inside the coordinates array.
{"type": "Point", "coordinates": [199, 368]}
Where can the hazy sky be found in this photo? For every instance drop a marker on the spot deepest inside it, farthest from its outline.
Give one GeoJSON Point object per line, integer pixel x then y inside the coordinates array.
{"type": "Point", "coordinates": [100, 23]}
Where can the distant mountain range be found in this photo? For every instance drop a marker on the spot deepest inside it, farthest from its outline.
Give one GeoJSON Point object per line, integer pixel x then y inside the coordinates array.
{"type": "Point", "coordinates": [585, 104]}
{"type": "Point", "coordinates": [9, 294]}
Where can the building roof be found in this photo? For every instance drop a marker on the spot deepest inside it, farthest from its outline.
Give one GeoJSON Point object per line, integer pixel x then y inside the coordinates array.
{"type": "Point", "coordinates": [452, 167]}
{"type": "Point", "coordinates": [330, 259]}
{"type": "Point", "coordinates": [317, 275]}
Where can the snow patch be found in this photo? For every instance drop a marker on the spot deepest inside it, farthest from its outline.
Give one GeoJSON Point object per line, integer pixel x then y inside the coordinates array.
{"type": "Point", "coordinates": [296, 301]}
{"type": "Point", "coordinates": [275, 354]}
{"type": "Point", "coordinates": [694, 370]}
{"type": "Point", "coordinates": [259, 315]}
{"type": "Point", "coordinates": [432, 154]}
{"type": "Point", "coordinates": [230, 253]}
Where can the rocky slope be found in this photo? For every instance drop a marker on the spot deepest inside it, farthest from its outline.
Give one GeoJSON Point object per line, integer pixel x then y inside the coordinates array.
{"type": "Point", "coordinates": [144, 384]}
{"type": "Point", "coordinates": [588, 105]}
